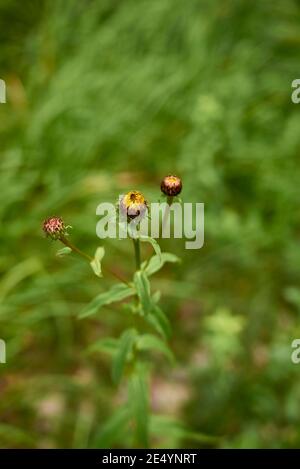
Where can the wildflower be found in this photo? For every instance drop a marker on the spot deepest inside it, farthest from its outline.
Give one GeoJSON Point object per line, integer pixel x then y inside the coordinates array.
{"type": "Point", "coordinates": [133, 204]}
{"type": "Point", "coordinates": [54, 227]}
{"type": "Point", "coordinates": [171, 185]}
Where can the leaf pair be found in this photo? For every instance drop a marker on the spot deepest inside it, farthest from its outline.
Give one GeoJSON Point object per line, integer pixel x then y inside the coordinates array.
{"type": "Point", "coordinates": [156, 262]}
{"type": "Point", "coordinates": [155, 316]}
{"type": "Point", "coordinates": [96, 262]}
{"type": "Point", "coordinates": [123, 349]}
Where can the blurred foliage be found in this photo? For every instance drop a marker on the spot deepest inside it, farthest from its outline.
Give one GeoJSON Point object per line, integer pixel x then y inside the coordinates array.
{"type": "Point", "coordinates": [109, 95]}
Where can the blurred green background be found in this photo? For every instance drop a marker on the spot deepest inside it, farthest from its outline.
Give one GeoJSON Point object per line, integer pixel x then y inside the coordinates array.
{"type": "Point", "coordinates": [110, 95]}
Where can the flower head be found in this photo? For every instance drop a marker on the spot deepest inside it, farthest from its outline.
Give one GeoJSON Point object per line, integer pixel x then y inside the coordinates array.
{"type": "Point", "coordinates": [133, 204]}
{"type": "Point", "coordinates": [54, 227]}
{"type": "Point", "coordinates": [171, 185]}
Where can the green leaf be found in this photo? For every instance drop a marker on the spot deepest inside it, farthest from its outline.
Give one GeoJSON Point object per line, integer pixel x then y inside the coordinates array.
{"type": "Point", "coordinates": [107, 345]}
{"type": "Point", "coordinates": [153, 242]}
{"type": "Point", "coordinates": [157, 262]}
{"type": "Point", "coordinates": [139, 404]}
{"type": "Point", "coordinates": [112, 429]}
{"type": "Point", "coordinates": [151, 342]}
{"type": "Point", "coordinates": [156, 296]}
{"type": "Point", "coordinates": [142, 286]}
{"type": "Point", "coordinates": [63, 251]}
{"type": "Point", "coordinates": [171, 428]}
{"type": "Point", "coordinates": [159, 321]}
{"type": "Point", "coordinates": [126, 342]}
{"type": "Point", "coordinates": [96, 262]}
{"type": "Point", "coordinates": [118, 292]}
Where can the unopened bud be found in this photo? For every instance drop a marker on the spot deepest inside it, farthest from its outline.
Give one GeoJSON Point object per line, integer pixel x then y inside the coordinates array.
{"type": "Point", "coordinates": [171, 186]}
{"type": "Point", "coordinates": [54, 227]}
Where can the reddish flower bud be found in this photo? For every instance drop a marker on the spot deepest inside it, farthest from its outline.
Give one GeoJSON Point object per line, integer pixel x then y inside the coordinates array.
{"type": "Point", "coordinates": [133, 204]}
{"type": "Point", "coordinates": [171, 186]}
{"type": "Point", "coordinates": [54, 227]}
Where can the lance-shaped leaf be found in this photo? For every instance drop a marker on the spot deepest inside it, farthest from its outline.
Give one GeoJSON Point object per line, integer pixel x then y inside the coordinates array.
{"type": "Point", "coordinates": [139, 404]}
{"type": "Point", "coordinates": [115, 427]}
{"type": "Point", "coordinates": [118, 292]}
{"type": "Point", "coordinates": [142, 286]}
{"type": "Point", "coordinates": [151, 342]}
{"type": "Point", "coordinates": [126, 343]}
{"type": "Point", "coordinates": [173, 430]}
{"type": "Point", "coordinates": [107, 345]}
{"type": "Point", "coordinates": [160, 322]}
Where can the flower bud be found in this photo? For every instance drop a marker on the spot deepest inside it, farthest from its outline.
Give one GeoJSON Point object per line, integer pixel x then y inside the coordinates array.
{"type": "Point", "coordinates": [171, 186]}
{"type": "Point", "coordinates": [54, 227]}
{"type": "Point", "coordinates": [133, 204]}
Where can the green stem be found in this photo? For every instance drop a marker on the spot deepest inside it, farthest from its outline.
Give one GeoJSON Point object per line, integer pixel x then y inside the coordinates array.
{"type": "Point", "coordinates": [137, 253]}
{"type": "Point", "coordinates": [167, 212]}
{"type": "Point", "coordinates": [87, 257]}
{"type": "Point", "coordinates": [74, 248]}
{"type": "Point", "coordinates": [170, 199]}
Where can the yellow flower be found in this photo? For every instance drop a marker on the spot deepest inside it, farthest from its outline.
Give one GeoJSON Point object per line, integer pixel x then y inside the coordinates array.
{"type": "Point", "coordinates": [133, 204]}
